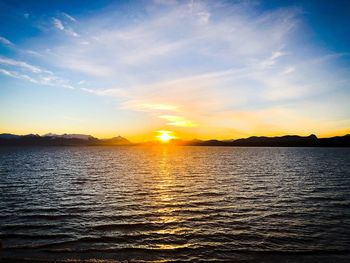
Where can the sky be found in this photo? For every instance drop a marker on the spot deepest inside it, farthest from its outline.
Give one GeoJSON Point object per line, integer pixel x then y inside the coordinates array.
{"type": "Point", "coordinates": [198, 69]}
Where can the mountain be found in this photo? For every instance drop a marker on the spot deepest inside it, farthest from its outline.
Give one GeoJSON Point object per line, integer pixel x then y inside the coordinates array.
{"type": "Point", "coordinates": [9, 136]}
{"type": "Point", "coordinates": [50, 139]}
{"type": "Point", "coordinates": [282, 141]}
{"type": "Point", "coordinates": [59, 140]}
{"type": "Point", "coordinates": [69, 136]}
{"type": "Point", "coordinates": [119, 140]}
{"type": "Point", "coordinates": [338, 141]}
{"type": "Point", "coordinates": [288, 140]}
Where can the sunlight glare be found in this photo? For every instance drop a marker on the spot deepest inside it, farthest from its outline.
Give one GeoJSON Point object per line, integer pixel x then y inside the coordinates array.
{"type": "Point", "coordinates": [165, 136]}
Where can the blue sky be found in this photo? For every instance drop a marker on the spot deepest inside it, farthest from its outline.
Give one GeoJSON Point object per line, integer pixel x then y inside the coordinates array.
{"type": "Point", "coordinates": [200, 69]}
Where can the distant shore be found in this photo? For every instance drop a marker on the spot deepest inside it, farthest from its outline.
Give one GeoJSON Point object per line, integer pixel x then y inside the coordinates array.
{"type": "Point", "coordinates": [254, 141]}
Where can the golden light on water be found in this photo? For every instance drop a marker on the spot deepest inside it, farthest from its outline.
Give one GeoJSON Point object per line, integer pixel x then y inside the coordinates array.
{"type": "Point", "coordinates": [165, 136]}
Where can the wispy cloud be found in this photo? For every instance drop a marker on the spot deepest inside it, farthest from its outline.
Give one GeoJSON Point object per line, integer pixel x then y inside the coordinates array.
{"type": "Point", "coordinates": [150, 107]}
{"type": "Point", "coordinates": [180, 121]}
{"type": "Point", "coordinates": [59, 25]}
{"type": "Point", "coordinates": [23, 65]}
{"type": "Point", "coordinates": [17, 75]}
{"type": "Point", "coordinates": [105, 92]}
{"type": "Point", "coordinates": [272, 59]}
{"type": "Point", "coordinates": [169, 38]}
{"type": "Point", "coordinates": [25, 71]}
{"type": "Point", "coordinates": [5, 41]}
{"type": "Point", "coordinates": [41, 80]}
{"type": "Point", "coordinates": [8, 43]}
{"type": "Point", "coordinates": [289, 70]}
{"type": "Point", "coordinates": [69, 17]}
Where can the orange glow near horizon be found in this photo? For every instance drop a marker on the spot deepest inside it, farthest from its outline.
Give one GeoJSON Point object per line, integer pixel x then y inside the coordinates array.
{"type": "Point", "coordinates": [165, 136]}
{"type": "Point", "coordinates": [140, 134]}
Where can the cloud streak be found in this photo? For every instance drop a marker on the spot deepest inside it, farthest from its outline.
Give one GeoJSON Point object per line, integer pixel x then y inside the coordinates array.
{"type": "Point", "coordinates": [5, 41]}
{"type": "Point", "coordinates": [23, 65]}
{"type": "Point", "coordinates": [179, 121]}
{"type": "Point", "coordinates": [58, 24]}
{"type": "Point", "coordinates": [69, 17]}
{"type": "Point", "coordinates": [22, 70]}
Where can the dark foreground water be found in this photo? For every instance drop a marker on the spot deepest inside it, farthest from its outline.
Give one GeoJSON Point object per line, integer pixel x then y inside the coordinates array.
{"type": "Point", "coordinates": [175, 204]}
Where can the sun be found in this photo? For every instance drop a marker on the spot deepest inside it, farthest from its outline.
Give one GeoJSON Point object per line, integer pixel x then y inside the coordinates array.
{"type": "Point", "coordinates": [165, 136]}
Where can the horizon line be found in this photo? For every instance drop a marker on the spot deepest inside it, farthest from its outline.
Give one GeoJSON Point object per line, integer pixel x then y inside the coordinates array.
{"type": "Point", "coordinates": [174, 139]}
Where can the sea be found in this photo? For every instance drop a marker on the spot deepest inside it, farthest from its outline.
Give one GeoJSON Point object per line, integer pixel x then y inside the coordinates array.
{"type": "Point", "coordinates": [174, 204]}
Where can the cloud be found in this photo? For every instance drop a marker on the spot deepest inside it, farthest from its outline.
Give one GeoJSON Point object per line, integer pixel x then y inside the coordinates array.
{"type": "Point", "coordinates": [105, 92]}
{"type": "Point", "coordinates": [59, 25]}
{"type": "Point", "coordinates": [149, 107]}
{"type": "Point", "coordinates": [5, 41]}
{"type": "Point", "coordinates": [41, 80]}
{"type": "Point", "coordinates": [272, 59]}
{"type": "Point", "coordinates": [180, 121]}
{"type": "Point", "coordinates": [69, 17]}
{"type": "Point", "coordinates": [183, 35]}
{"type": "Point", "coordinates": [289, 70]}
{"type": "Point", "coordinates": [20, 70]}
{"type": "Point", "coordinates": [165, 2]}
{"type": "Point", "coordinates": [17, 75]}
{"type": "Point", "coordinates": [71, 32]}
{"type": "Point", "coordinates": [22, 64]}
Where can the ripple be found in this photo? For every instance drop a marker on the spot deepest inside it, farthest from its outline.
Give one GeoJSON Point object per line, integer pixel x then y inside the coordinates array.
{"type": "Point", "coordinates": [183, 204]}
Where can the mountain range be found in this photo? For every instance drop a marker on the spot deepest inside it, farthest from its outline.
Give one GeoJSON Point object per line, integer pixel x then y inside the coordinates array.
{"type": "Point", "coordinates": [282, 141]}
{"type": "Point", "coordinates": [50, 139]}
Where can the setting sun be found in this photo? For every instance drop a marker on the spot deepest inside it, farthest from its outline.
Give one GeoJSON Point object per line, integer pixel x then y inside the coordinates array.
{"type": "Point", "coordinates": [165, 136]}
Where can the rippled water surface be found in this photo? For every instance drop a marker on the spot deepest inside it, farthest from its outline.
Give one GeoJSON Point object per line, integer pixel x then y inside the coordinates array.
{"type": "Point", "coordinates": [169, 204]}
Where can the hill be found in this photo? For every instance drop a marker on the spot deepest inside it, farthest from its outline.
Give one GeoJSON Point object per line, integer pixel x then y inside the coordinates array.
{"type": "Point", "coordinates": [282, 141]}
{"type": "Point", "coordinates": [59, 140]}
{"type": "Point", "coordinates": [7, 139]}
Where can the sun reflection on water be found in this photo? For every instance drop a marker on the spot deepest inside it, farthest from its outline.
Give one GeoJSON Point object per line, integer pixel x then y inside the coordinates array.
{"type": "Point", "coordinates": [163, 198]}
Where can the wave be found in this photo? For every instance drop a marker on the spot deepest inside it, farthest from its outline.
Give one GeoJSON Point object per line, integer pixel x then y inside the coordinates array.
{"type": "Point", "coordinates": [34, 236]}
{"type": "Point", "coordinates": [132, 226]}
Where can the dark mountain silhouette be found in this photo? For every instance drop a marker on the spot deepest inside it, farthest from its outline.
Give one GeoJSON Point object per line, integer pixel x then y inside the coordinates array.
{"type": "Point", "coordinates": [338, 141]}
{"type": "Point", "coordinates": [87, 140]}
{"type": "Point", "coordinates": [119, 140]}
{"type": "Point", "coordinates": [288, 140]}
{"type": "Point", "coordinates": [69, 136]}
{"type": "Point", "coordinates": [283, 141]}
{"type": "Point", "coordinates": [9, 136]}
{"type": "Point", "coordinates": [59, 140]}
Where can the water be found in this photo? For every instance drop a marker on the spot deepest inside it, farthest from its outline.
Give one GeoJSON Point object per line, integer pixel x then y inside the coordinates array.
{"type": "Point", "coordinates": [175, 204]}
